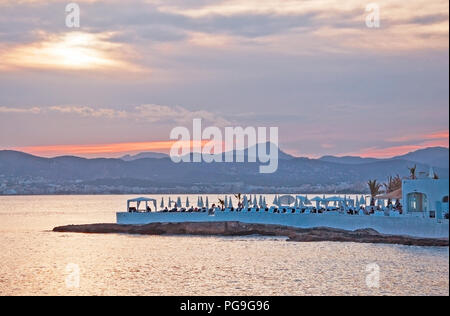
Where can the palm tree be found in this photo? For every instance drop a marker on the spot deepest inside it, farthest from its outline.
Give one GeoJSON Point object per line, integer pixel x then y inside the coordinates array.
{"type": "Point", "coordinates": [374, 188]}
{"type": "Point", "coordinates": [412, 172]}
{"type": "Point", "coordinates": [394, 184]}
{"type": "Point", "coordinates": [238, 197]}
{"type": "Point", "coordinates": [388, 185]}
{"type": "Point", "coordinates": [222, 203]}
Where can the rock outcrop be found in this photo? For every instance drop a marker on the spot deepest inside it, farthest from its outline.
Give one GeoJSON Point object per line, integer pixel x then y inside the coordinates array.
{"type": "Point", "coordinates": [244, 229]}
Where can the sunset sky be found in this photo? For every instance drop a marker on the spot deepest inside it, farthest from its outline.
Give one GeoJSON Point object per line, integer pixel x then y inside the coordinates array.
{"type": "Point", "coordinates": [136, 69]}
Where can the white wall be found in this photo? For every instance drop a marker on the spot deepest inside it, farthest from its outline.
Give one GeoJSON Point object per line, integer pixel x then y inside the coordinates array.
{"type": "Point", "coordinates": [434, 189]}
{"type": "Point", "coordinates": [404, 225]}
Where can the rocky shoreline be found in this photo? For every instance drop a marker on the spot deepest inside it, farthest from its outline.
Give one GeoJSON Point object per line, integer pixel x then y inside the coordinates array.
{"type": "Point", "coordinates": [244, 229]}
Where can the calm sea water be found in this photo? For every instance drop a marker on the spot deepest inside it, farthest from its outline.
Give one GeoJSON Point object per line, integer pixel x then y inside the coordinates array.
{"type": "Point", "coordinates": [36, 261]}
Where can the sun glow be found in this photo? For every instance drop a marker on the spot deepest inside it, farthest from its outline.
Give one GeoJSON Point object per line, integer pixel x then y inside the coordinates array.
{"type": "Point", "coordinates": [74, 50]}
{"type": "Point", "coordinates": [103, 150]}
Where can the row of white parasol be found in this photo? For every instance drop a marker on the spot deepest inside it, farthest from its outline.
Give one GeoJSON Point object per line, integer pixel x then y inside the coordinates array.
{"type": "Point", "coordinates": [283, 200]}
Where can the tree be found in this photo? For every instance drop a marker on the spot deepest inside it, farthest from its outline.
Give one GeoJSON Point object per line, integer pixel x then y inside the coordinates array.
{"type": "Point", "coordinates": [393, 184]}
{"type": "Point", "coordinates": [238, 197]}
{"type": "Point", "coordinates": [412, 172]}
{"type": "Point", "coordinates": [222, 203]}
{"type": "Point", "coordinates": [374, 188]}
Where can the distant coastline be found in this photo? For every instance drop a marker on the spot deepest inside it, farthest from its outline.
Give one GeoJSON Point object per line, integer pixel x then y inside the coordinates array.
{"type": "Point", "coordinates": [191, 193]}
{"type": "Point", "coordinates": [24, 174]}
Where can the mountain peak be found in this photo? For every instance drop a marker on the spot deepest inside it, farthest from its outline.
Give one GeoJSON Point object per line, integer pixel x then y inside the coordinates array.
{"type": "Point", "coordinates": [432, 156]}
{"type": "Point", "coordinates": [144, 155]}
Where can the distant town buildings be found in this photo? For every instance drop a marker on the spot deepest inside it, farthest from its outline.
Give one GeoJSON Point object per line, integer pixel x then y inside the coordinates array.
{"type": "Point", "coordinates": [41, 186]}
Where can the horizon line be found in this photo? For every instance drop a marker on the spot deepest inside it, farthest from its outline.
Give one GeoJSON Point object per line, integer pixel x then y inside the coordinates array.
{"type": "Point", "coordinates": [119, 150]}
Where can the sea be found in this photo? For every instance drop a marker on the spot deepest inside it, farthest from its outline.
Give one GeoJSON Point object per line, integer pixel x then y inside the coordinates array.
{"type": "Point", "coordinates": [34, 260]}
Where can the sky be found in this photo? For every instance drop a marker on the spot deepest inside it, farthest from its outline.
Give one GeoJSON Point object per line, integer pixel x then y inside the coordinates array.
{"type": "Point", "coordinates": [134, 70]}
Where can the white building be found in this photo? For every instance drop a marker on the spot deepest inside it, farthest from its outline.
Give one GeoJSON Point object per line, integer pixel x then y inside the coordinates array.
{"type": "Point", "coordinates": [426, 197]}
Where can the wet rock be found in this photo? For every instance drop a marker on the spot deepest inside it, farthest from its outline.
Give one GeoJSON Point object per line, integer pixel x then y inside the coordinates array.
{"type": "Point", "coordinates": [243, 229]}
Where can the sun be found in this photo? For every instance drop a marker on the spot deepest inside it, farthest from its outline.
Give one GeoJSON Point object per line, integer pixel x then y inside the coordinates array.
{"type": "Point", "coordinates": [78, 50]}
{"type": "Point", "coordinates": [73, 50]}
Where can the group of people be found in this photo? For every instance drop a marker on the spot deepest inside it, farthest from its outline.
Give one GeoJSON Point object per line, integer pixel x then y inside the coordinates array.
{"type": "Point", "coordinates": [133, 209]}
{"type": "Point", "coordinates": [276, 210]}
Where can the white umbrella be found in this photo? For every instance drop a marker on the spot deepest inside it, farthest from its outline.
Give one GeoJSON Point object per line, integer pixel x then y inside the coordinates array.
{"type": "Point", "coordinates": [352, 202]}
{"type": "Point", "coordinates": [178, 202]}
{"type": "Point", "coordinates": [326, 202]}
{"type": "Point", "coordinates": [201, 202]}
{"type": "Point", "coordinates": [275, 200]}
{"type": "Point", "coordinates": [255, 202]}
{"type": "Point", "coordinates": [260, 201]}
{"type": "Point", "coordinates": [187, 202]}
{"type": "Point", "coordinates": [307, 200]}
{"type": "Point", "coordinates": [245, 202]}
{"type": "Point", "coordinates": [317, 200]}
{"type": "Point", "coordinates": [362, 201]}
{"type": "Point", "coordinates": [230, 203]}
{"type": "Point", "coordinates": [162, 203]}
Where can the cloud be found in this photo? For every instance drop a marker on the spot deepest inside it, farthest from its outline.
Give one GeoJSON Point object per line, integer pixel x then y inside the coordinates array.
{"type": "Point", "coordinates": [176, 114]}
{"type": "Point", "coordinates": [97, 150]}
{"type": "Point", "coordinates": [86, 111]}
{"type": "Point", "coordinates": [171, 21]}
{"type": "Point", "coordinates": [437, 135]}
{"type": "Point", "coordinates": [151, 113]}
{"type": "Point", "coordinates": [310, 67]}
{"type": "Point", "coordinates": [404, 144]}
{"type": "Point", "coordinates": [388, 152]}
{"type": "Point", "coordinates": [33, 110]}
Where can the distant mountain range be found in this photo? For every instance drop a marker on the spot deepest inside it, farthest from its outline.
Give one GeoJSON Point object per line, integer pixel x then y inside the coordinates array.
{"type": "Point", "coordinates": [22, 173]}
{"type": "Point", "coordinates": [236, 153]}
{"type": "Point", "coordinates": [433, 156]}
{"type": "Point", "coordinates": [144, 155]}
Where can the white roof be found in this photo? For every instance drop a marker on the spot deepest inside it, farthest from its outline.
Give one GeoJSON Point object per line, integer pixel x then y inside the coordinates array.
{"type": "Point", "coordinates": [334, 198]}
{"type": "Point", "coordinates": [141, 199]}
{"type": "Point", "coordinates": [302, 198]}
